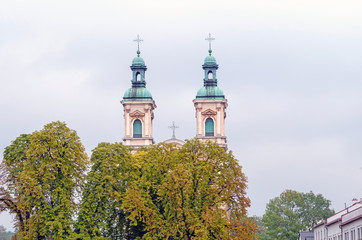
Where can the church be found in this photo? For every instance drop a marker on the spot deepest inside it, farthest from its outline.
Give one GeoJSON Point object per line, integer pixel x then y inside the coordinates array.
{"type": "Point", "coordinates": [138, 105]}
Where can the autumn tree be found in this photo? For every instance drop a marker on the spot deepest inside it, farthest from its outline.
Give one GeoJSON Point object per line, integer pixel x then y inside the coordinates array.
{"type": "Point", "coordinates": [41, 175]}
{"type": "Point", "coordinates": [193, 192]}
{"type": "Point", "coordinates": [13, 195]}
{"type": "Point", "coordinates": [100, 215]}
{"type": "Point", "coordinates": [292, 212]}
{"type": "Point", "coordinates": [161, 192]}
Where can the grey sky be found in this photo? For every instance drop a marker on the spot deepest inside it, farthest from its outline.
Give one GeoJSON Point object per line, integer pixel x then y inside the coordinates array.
{"type": "Point", "coordinates": [291, 71]}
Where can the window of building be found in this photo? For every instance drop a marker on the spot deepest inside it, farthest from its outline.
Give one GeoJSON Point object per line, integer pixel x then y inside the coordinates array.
{"type": "Point", "coordinates": [209, 127]}
{"type": "Point", "coordinates": [137, 129]}
{"type": "Point", "coordinates": [138, 77]}
{"type": "Point", "coordinates": [353, 234]}
{"type": "Point", "coordinates": [210, 75]}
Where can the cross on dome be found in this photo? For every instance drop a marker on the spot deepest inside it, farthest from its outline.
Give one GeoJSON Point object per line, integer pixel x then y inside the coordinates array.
{"type": "Point", "coordinates": [210, 39]}
{"type": "Point", "coordinates": [138, 40]}
{"type": "Point", "coordinates": [173, 129]}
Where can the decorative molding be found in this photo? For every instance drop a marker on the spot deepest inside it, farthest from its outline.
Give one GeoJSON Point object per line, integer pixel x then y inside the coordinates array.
{"type": "Point", "coordinates": [137, 114]}
{"type": "Point", "coordinates": [209, 112]}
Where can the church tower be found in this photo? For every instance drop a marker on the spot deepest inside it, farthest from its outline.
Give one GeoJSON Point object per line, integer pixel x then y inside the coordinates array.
{"type": "Point", "coordinates": [138, 107]}
{"type": "Point", "coordinates": [210, 105]}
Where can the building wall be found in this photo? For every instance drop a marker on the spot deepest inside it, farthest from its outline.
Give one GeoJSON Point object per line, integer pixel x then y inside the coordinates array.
{"type": "Point", "coordinates": [334, 231]}
{"type": "Point", "coordinates": [352, 224]}
{"type": "Point", "coordinates": [344, 225]}
{"type": "Point", "coordinates": [215, 109]}
{"type": "Point", "coordinates": [320, 232]}
{"type": "Point", "coordinates": [142, 110]}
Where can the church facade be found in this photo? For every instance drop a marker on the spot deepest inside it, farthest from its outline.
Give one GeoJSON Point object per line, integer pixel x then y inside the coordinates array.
{"type": "Point", "coordinates": [138, 105]}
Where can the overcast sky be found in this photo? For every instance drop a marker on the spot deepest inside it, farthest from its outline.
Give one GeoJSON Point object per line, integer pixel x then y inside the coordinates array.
{"type": "Point", "coordinates": [291, 71]}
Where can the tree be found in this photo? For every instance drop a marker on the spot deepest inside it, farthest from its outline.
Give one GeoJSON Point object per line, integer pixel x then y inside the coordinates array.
{"type": "Point", "coordinates": [315, 208]}
{"type": "Point", "coordinates": [194, 192]}
{"type": "Point", "coordinates": [42, 175]}
{"type": "Point", "coordinates": [13, 195]}
{"type": "Point", "coordinates": [100, 215]}
{"type": "Point", "coordinates": [261, 232]}
{"type": "Point", "coordinates": [292, 212]}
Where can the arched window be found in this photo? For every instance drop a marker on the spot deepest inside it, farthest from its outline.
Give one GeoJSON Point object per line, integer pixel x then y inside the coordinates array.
{"type": "Point", "coordinates": [137, 129]}
{"type": "Point", "coordinates": [209, 127]}
{"type": "Point", "coordinates": [138, 77]}
{"type": "Point", "coordinates": [210, 75]}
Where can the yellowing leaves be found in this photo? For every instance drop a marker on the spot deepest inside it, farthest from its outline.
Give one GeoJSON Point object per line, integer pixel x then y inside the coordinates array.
{"type": "Point", "coordinates": [183, 193]}
{"type": "Point", "coordinates": [161, 192]}
{"type": "Point", "coordinates": [46, 169]}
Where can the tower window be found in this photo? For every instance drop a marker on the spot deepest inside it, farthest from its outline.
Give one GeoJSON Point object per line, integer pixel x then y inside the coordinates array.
{"type": "Point", "coordinates": [209, 127]}
{"type": "Point", "coordinates": [210, 75]}
{"type": "Point", "coordinates": [137, 129]}
{"type": "Point", "coordinates": [138, 77]}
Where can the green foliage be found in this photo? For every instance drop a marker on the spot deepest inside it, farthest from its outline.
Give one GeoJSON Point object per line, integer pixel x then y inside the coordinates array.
{"type": "Point", "coordinates": [261, 231]}
{"type": "Point", "coordinates": [161, 192]}
{"type": "Point", "coordinates": [292, 212]}
{"type": "Point", "coordinates": [101, 216]}
{"type": "Point", "coordinates": [43, 173]}
{"type": "Point", "coordinates": [195, 192]}
{"type": "Point", "coordinates": [164, 192]}
{"type": "Point", "coordinates": [15, 156]}
{"type": "Point", "coordinates": [315, 208]}
{"type": "Point", "coordinates": [13, 195]}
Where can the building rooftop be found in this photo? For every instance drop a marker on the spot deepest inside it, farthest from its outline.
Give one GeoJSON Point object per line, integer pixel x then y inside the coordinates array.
{"type": "Point", "coordinates": [306, 236]}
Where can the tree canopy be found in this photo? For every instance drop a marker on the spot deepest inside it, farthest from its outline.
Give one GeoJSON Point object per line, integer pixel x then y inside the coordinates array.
{"type": "Point", "coordinates": [193, 192]}
{"type": "Point", "coordinates": [292, 212]}
{"type": "Point", "coordinates": [42, 173]}
{"type": "Point", "coordinates": [197, 191]}
{"type": "Point", "coordinates": [101, 215]}
{"type": "Point", "coordinates": [164, 192]}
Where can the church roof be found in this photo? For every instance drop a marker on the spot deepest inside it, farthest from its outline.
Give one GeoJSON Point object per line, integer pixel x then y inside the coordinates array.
{"type": "Point", "coordinates": [176, 141]}
{"type": "Point", "coordinates": [210, 90]}
{"type": "Point", "coordinates": [137, 93]}
{"type": "Point", "coordinates": [210, 60]}
{"type": "Point", "coordinates": [213, 92]}
{"type": "Point", "coordinates": [138, 61]}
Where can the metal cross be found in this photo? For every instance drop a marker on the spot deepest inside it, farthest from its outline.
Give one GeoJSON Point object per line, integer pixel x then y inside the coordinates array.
{"type": "Point", "coordinates": [138, 40]}
{"type": "Point", "coordinates": [210, 39]}
{"type": "Point", "coordinates": [173, 129]}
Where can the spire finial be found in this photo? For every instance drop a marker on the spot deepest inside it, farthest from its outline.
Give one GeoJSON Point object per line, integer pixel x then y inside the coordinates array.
{"type": "Point", "coordinates": [173, 129]}
{"type": "Point", "coordinates": [210, 39]}
{"type": "Point", "coordinates": [138, 40]}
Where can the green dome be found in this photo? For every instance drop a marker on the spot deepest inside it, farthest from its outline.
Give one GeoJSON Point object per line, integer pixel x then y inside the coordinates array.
{"type": "Point", "coordinates": [138, 93]}
{"type": "Point", "coordinates": [210, 60]}
{"type": "Point", "coordinates": [212, 92]}
{"type": "Point", "coordinates": [138, 61]}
